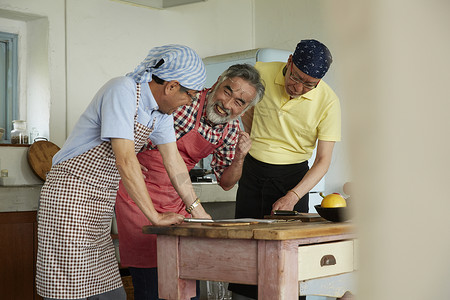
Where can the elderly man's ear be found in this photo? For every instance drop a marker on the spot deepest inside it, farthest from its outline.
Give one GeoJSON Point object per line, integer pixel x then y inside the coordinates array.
{"type": "Point", "coordinates": [171, 87]}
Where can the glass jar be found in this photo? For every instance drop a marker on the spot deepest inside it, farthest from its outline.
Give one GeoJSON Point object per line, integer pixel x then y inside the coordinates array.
{"type": "Point", "coordinates": [34, 134]}
{"type": "Point", "coordinates": [19, 134]}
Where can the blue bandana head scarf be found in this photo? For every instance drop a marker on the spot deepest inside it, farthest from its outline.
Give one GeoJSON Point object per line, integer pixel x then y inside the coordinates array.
{"type": "Point", "coordinates": [180, 63]}
{"type": "Point", "coordinates": [312, 58]}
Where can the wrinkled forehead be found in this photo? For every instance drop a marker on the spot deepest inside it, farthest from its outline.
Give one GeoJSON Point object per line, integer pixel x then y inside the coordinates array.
{"type": "Point", "coordinates": [239, 87]}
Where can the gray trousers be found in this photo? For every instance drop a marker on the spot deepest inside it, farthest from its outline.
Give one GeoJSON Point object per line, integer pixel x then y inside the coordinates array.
{"type": "Point", "coordinates": [117, 294]}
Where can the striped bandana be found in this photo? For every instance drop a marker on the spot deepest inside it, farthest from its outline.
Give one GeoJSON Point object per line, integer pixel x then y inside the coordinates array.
{"type": "Point", "coordinates": [181, 63]}
{"type": "Point", "coordinates": [312, 58]}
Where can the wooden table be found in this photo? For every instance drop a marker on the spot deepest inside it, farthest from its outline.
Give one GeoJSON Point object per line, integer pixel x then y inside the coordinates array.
{"type": "Point", "coordinates": [262, 254]}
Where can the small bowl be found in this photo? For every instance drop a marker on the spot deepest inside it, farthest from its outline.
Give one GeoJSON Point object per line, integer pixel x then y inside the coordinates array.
{"type": "Point", "coordinates": [334, 214]}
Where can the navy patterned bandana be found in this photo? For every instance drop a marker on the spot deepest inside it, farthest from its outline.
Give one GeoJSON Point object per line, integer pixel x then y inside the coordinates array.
{"type": "Point", "coordinates": [312, 58]}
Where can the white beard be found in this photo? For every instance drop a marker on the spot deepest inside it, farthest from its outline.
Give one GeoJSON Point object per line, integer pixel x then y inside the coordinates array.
{"type": "Point", "coordinates": [215, 117]}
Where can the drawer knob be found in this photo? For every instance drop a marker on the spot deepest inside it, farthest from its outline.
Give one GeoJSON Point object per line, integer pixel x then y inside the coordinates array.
{"type": "Point", "coordinates": [327, 260]}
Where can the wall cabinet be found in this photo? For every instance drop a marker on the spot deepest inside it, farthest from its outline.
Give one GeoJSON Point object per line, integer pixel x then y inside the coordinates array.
{"type": "Point", "coordinates": [18, 248]}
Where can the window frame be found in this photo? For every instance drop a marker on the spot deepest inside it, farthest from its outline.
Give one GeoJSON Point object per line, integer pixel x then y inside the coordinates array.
{"type": "Point", "coordinates": [10, 108]}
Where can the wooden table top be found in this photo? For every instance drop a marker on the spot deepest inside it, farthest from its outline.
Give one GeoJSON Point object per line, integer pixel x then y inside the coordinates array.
{"type": "Point", "coordinates": [286, 230]}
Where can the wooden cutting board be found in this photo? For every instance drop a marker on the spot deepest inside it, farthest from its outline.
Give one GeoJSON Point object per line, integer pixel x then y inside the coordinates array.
{"type": "Point", "coordinates": [304, 217]}
{"type": "Point", "coordinates": [40, 156]}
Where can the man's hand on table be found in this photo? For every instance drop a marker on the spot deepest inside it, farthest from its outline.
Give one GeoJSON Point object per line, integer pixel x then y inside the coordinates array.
{"type": "Point", "coordinates": [200, 213]}
{"type": "Point", "coordinates": [168, 218]}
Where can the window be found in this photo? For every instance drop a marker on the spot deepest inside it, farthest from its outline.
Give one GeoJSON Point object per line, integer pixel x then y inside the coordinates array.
{"type": "Point", "coordinates": [8, 81]}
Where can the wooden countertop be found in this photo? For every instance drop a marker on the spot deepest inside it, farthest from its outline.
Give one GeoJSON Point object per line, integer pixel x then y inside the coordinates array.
{"type": "Point", "coordinates": [261, 231]}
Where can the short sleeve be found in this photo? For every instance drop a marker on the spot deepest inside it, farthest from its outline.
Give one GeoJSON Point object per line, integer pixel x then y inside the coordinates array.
{"type": "Point", "coordinates": [163, 132]}
{"type": "Point", "coordinates": [118, 109]}
{"type": "Point", "coordinates": [329, 128]}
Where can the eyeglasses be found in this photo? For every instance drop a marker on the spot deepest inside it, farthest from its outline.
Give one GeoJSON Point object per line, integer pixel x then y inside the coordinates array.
{"type": "Point", "coordinates": [193, 96]}
{"type": "Point", "coordinates": [307, 85]}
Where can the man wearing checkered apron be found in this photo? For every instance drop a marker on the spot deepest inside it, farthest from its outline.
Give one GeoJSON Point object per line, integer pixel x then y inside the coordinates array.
{"type": "Point", "coordinates": [76, 257]}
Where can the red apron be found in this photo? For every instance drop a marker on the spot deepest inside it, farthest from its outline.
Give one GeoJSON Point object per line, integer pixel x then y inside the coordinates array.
{"type": "Point", "coordinates": [137, 249]}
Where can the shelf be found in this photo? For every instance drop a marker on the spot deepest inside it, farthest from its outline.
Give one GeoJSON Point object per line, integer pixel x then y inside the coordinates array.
{"type": "Point", "coordinates": [3, 144]}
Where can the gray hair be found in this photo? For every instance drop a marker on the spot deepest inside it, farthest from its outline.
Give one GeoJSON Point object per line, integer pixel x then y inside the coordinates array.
{"type": "Point", "coordinates": [249, 74]}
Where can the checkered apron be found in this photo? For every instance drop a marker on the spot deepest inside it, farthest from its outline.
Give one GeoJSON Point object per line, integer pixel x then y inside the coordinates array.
{"type": "Point", "coordinates": [76, 257]}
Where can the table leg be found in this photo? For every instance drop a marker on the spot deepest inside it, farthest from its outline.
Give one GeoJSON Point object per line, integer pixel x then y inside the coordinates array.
{"type": "Point", "coordinates": [170, 286]}
{"type": "Point", "coordinates": [277, 270]}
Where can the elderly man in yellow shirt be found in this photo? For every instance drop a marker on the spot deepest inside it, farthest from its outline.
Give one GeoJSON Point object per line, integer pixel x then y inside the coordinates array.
{"type": "Point", "coordinates": [298, 111]}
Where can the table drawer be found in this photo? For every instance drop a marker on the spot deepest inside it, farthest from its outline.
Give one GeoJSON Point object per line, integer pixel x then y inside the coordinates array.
{"type": "Point", "coordinates": [325, 259]}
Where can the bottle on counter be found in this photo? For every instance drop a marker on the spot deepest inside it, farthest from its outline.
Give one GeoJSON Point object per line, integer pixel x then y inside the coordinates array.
{"type": "Point", "coordinates": [19, 134]}
{"type": "Point", "coordinates": [5, 180]}
{"type": "Point", "coordinates": [34, 133]}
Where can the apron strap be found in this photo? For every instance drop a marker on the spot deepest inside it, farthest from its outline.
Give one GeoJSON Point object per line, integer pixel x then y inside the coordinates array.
{"type": "Point", "coordinates": [138, 97]}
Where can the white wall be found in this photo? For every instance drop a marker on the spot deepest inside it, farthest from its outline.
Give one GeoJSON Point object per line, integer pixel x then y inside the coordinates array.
{"type": "Point", "coordinates": [38, 89]}
{"type": "Point", "coordinates": [399, 148]}
{"type": "Point", "coordinates": [108, 38]}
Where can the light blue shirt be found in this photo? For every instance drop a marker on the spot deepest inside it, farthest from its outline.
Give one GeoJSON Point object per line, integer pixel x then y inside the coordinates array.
{"type": "Point", "coordinates": [111, 115]}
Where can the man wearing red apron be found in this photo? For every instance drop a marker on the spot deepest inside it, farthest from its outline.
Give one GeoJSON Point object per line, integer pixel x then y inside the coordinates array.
{"type": "Point", "coordinates": [208, 126]}
{"type": "Point", "coordinates": [75, 258]}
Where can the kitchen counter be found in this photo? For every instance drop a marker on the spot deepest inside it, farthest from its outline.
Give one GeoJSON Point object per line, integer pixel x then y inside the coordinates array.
{"type": "Point", "coordinates": [19, 197]}
{"type": "Point", "coordinates": [14, 158]}
{"type": "Point", "coordinates": [26, 197]}
{"type": "Point", "coordinates": [20, 190]}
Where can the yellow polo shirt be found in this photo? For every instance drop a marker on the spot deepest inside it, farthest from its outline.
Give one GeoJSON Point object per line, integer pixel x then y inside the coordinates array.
{"type": "Point", "coordinates": [285, 131]}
